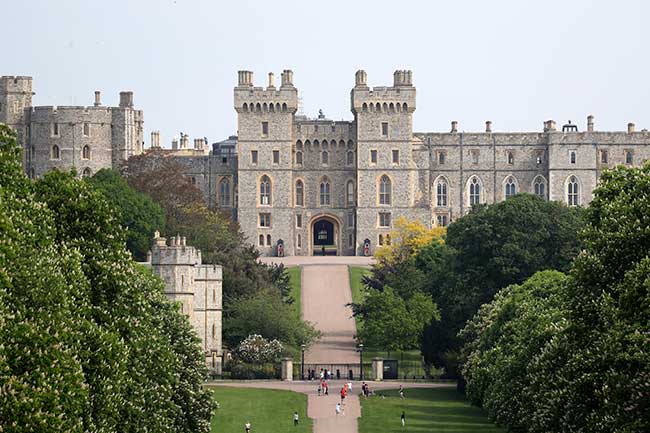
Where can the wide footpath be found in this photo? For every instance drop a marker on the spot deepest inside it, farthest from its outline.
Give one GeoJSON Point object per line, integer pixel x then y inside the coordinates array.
{"type": "Point", "coordinates": [325, 292]}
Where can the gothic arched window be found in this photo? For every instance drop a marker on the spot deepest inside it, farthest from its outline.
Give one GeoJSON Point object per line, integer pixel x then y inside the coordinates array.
{"type": "Point", "coordinates": [85, 152]}
{"type": "Point", "coordinates": [510, 187]}
{"type": "Point", "coordinates": [573, 192]}
{"type": "Point", "coordinates": [86, 172]}
{"type": "Point", "coordinates": [325, 157]}
{"type": "Point", "coordinates": [539, 187]}
{"type": "Point", "coordinates": [325, 192]}
{"type": "Point", "coordinates": [441, 193]}
{"type": "Point", "coordinates": [224, 192]}
{"type": "Point", "coordinates": [385, 190]}
{"type": "Point", "coordinates": [350, 193]}
{"type": "Point", "coordinates": [350, 158]}
{"type": "Point", "coordinates": [56, 153]}
{"type": "Point", "coordinates": [265, 190]}
{"type": "Point", "coordinates": [298, 158]}
{"type": "Point", "coordinates": [300, 193]}
{"type": "Point", "coordinates": [474, 191]}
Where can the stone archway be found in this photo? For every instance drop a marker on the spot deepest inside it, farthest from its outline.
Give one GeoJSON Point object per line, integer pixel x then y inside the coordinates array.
{"type": "Point", "coordinates": [324, 231]}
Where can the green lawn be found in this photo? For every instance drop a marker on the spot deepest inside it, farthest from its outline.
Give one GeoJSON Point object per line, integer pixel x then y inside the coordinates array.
{"type": "Point", "coordinates": [294, 276]}
{"type": "Point", "coordinates": [356, 274]}
{"type": "Point", "coordinates": [268, 411]}
{"type": "Point", "coordinates": [427, 410]}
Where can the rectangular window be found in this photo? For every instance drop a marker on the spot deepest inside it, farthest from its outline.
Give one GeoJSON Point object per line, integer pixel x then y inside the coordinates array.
{"type": "Point", "coordinates": [603, 157]}
{"type": "Point", "coordinates": [224, 160]}
{"type": "Point", "coordinates": [350, 240]}
{"type": "Point", "coordinates": [475, 154]}
{"type": "Point", "coordinates": [55, 129]}
{"type": "Point", "coordinates": [572, 157]}
{"type": "Point", "coordinates": [299, 221]}
{"type": "Point", "coordinates": [276, 157]}
{"type": "Point", "coordinates": [373, 156]}
{"type": "Point", "coordinates": [384, 129]}
{"type": "Point", "coordinates": [299, 242]}
{"type": "Point", "coordinates": [395, 156]}
{"type": "Point", "coordinates": [441, 158]}
{"type": "Point", "coordinates": [384, 219]}
{"type": "Point", "coordinates": [86, 129]}
{"type": "Point", "coordinates": [254, 157]}
{"type": "Point", "coordinates": [350, 220]}
{"type": "Point", "coordinates": [628, 157]}
{"type": "Point", "coordinates": [441, 220]}
{"type": "Point", "coordinates": [265, 220]}
{"type": "Point", "coordinates": [265, 129]}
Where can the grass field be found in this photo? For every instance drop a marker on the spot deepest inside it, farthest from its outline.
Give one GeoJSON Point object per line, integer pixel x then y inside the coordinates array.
{"type": "Point", "coordinates": [356, 274]}
{"type": "Point", "coordinates": [294, 276]}
{"type": "Point", "coordinates": [426, 410]}
{"type": "Point", "coordinates": [268, 411]}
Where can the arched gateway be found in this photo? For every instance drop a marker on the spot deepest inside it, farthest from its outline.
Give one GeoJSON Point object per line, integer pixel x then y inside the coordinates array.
{"type": "Point", "coordinates": [325, 235]}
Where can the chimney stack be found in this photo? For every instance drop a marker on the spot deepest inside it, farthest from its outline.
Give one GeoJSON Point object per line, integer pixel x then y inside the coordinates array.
{"type": "Point", "coordinates": [245, 78]}
{"type": "Point", "coordinates": [360, 78]}
{"type": "Point", "coordinates": [175, 143]}
{"type": "Point", "coordinates": [590, 123]}
{"type": "Point", "coordinates": [488, 126]}
{"type": "Point", "coordinates": [199, 144]}
{"type": "Point", "coordinates": [454, 126]}
{"type": "Point", "coordinates": [630, 128]}
{"type": "Point", "coordinates": [98, 96]}
{"type": "Point", "coordinates": [271, 81]}
{"type": "Point", "coordinates": [287, 78]}
{"type": "Point", "coordinates": [155, 139]}
{"type": "Point", "coordinates": [126, 99]}
{"type": "Point", "coordinates": [184, 141]}
{"type": "Point", "coordinates": [550, 126]}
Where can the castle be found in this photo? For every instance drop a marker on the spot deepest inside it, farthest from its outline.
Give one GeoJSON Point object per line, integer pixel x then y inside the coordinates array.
{"type": "Point", "coordinates": [196, 287]}
{"type": "Point", "coordinates": [301, 186]}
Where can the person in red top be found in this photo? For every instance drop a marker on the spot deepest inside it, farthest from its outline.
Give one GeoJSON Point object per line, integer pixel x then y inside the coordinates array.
{"type": "Point", "coordinates": [344, 391]}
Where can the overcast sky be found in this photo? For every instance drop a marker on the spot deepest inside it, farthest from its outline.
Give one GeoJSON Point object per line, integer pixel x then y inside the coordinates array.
{"type": "Point", "coordinates": [516, 63]}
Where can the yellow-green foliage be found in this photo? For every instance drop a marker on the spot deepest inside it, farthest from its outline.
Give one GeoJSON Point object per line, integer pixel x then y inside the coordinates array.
{"type": "Point", "coordinates": [407, 239]}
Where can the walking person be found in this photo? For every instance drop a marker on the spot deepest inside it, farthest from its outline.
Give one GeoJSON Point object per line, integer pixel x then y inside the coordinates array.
{"type": "Point", "coordinates": [403, 417]}
{"type": "Point", "coordinates": [247, 426]}
{"type": "Point", "coordinates": [326, 388]}
{"type": "Point", "coordinates": [338, 409]}
{"type": "Point", "coordinates": [295, 418]}
{"type": "Point", "coordinates": [401, 392]}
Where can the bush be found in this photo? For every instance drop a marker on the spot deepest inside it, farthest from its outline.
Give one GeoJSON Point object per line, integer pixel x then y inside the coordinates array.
{"type": "Point", "coordinates": [246, 371]}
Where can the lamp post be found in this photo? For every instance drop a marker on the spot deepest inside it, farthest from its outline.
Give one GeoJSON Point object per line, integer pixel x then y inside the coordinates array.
{"type": "Point", "coordinates": [360, 349]}
{"type": "Point", "coordinates": [302, 362]}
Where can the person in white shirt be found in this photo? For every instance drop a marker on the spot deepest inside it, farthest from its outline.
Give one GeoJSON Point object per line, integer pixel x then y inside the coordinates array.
{"type": "Point", "coordinates": [338, 408]}
{"type": "Point", "coordinates": [295, 418]}
{"type": "Point", "coordinates": [247, 426]}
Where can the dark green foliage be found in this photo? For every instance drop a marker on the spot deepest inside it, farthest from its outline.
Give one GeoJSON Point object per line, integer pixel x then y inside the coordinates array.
{"type": "Point", "coordinates": [586, 359]}
{"type": "Point", "coordinates": [88, 340]}
{"type": "Point", "coordinates": [135, 211]}
{"type": "Point", "coordinates": [490, 248]}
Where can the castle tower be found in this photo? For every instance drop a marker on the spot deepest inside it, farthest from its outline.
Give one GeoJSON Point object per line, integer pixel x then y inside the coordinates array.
{"type": "Point", "coordinates": [265, 118]}
{"type": "Point", "coordinates": [387, 173]}
{"type": "Point", "coordinates": [128, 130]}
{"type": "Point", "coordinates": [15, 96]}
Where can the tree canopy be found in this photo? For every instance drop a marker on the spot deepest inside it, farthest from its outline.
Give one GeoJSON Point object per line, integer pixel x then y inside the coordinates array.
{"type": "Point", "coordinates": [88, 341]}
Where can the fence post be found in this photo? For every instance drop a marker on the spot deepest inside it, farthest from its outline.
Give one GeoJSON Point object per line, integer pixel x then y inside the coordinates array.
{"type": "Point", "coordinates": [287, 369]}
{"type": "Point", "coordinates": [378, 369]}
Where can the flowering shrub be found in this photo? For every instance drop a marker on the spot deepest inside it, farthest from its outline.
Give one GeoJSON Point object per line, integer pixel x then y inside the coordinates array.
{"type": "Point", "coordinates": [256, 349]}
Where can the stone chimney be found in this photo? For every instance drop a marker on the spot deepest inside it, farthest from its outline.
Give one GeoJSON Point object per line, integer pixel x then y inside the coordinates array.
{"type": "Point", "coordinates": [245, 78]}
{"type": "Point", "coordinates": [271, 81]}
{"type": "Point", "coordinates": [199, 144]}
{"type": "Point", "coordinates": [175, 143]}
{"type": "Point", "coordinates": [550, 126]}
{"type": "Point", "coordinates": [488, 126]}
{"type": "Point", "coordinates": [184, 141]}
{"type": "Point", "coordinates": [287, 78]}
{"type": "Point", "coordinates": [454, 126]}
{"type": "Point", "coordinates": [98, 97]}
{"type": "Point", "coordinates": [630, 128]}
{"type": "Point", "coordinates": [155, 139]}
{"type": "Point", "coordinates": [126, 99]}
{"type": "Point", "coordinates": [360, 78]}
{"type": "Point", "coordinates": [590, 123]}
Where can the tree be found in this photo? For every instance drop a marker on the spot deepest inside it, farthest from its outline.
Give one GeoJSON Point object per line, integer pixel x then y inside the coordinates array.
{"type": "Point", "coordinates": [502, 340]}
{"type": "Point", "coordinates": [493, 247]}
{"type": "Point", "coordinates": [393, 323]}
{"type": "Point", "coordinates": [136, 211]}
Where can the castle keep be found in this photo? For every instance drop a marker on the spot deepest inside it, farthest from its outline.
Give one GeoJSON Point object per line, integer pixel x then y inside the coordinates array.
{"type": "Point", "coordinates": [302, 186]}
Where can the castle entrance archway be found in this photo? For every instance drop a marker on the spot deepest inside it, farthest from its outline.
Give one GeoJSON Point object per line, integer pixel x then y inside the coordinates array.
{"type": "Point", "coordinates": [325, 236]}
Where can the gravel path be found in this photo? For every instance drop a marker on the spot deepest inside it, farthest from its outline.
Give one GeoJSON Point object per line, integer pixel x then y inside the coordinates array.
{"type": "Point", "coordinates": [325, 293]}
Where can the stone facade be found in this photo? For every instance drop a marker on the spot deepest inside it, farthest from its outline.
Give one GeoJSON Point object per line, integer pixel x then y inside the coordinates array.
{"type": "Point", "coordinates": [64, 137]}
{"type": "Point", "coordinates": [196, 287]}
{"type": "Point", "coordinates": [292, 181]}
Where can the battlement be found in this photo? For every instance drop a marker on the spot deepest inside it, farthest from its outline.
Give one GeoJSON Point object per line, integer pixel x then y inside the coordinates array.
{"type": "Point", "coordinates": [399, 98]}
{"type": "Point", "coordinates": [250, 99]}
{"type": "Point", "coordinates": [15, 84]}
{"type": "Point", "coordinates": [176, 253]}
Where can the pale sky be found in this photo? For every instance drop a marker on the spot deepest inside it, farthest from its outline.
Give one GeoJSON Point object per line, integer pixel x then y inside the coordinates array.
{"type": "Point", "coordinates": [516, 63]}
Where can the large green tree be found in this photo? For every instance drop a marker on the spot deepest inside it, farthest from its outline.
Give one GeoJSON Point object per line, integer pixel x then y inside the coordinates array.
{"type": "Point", "coordinates": [136, 212]}
{"type": "Point", "coordinates": [88, 340]}
{"type": "Point", "coordinates": [490, 248]}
